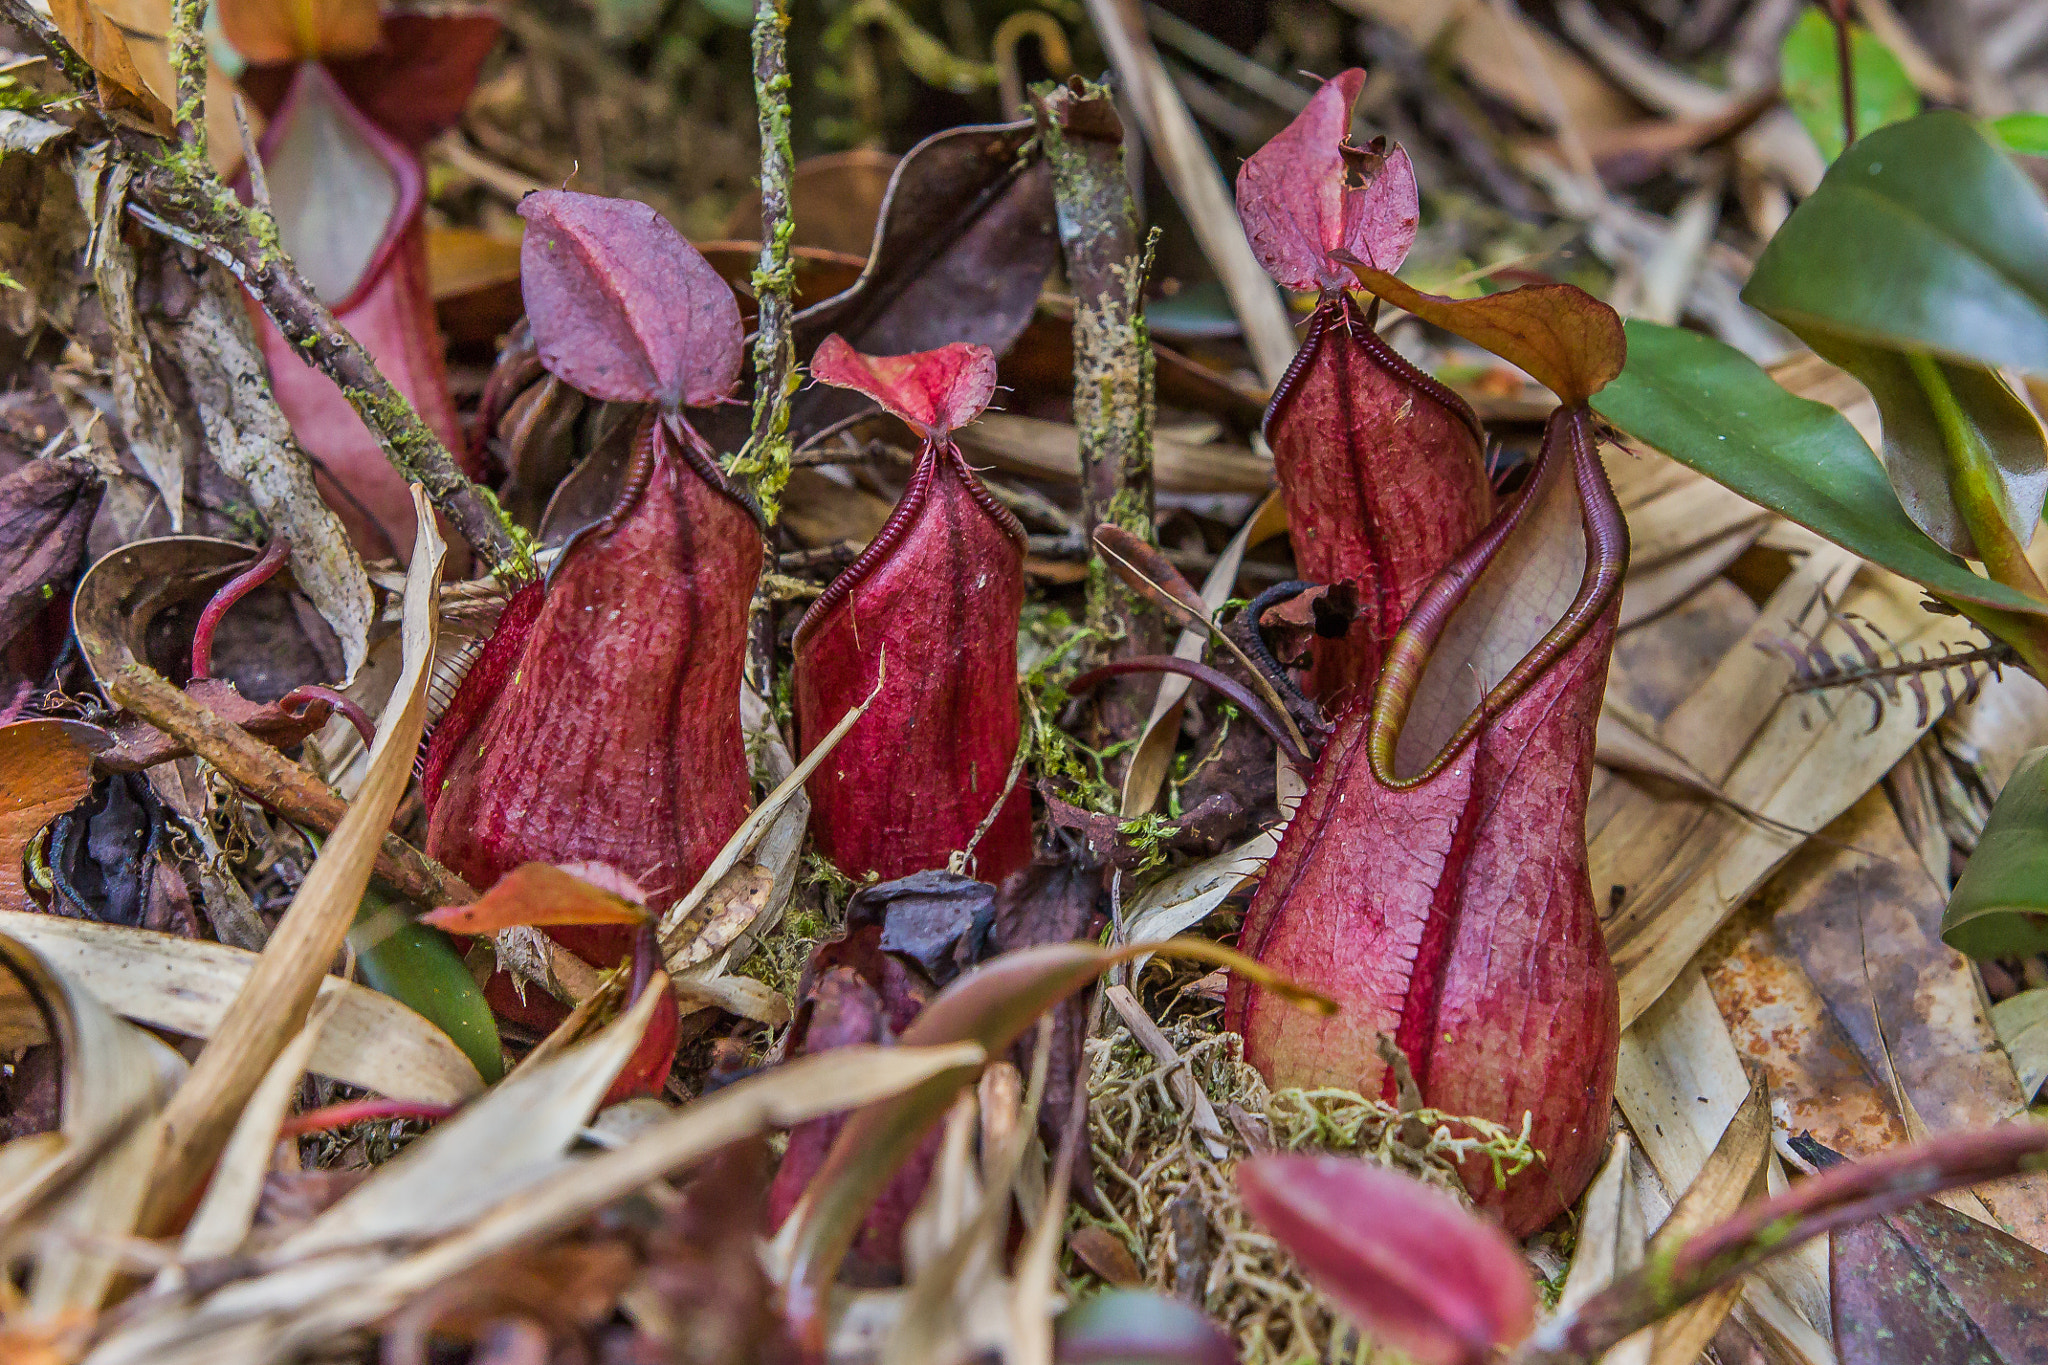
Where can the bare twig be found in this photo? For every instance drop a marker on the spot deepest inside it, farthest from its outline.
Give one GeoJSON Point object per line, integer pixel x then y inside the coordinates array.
{"type": "Point", "coordinates": [275, 781]}
{"type": "Point", "coordinates": [767, 454]}
{"type": "Point", "coordinates": [180, 196]}
{"type": "Point", "coordinates": [1113, 361]}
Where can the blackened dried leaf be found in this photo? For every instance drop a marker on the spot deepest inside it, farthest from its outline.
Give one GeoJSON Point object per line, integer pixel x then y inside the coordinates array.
{"type": "Point", "coordinates": [46, 507]}
{"type": "Point", "coordinates": [1054, 900]}
{"type": "Point", "coordinates": [938, 919]}
{"type": "Point", "coordinates": [624, 308]}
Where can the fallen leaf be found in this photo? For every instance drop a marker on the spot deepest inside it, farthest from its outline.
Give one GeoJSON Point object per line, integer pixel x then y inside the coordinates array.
{"type": "Point", "coordinates": [45, 770]}
{"type": "Point", "coordinates": [536, 894]}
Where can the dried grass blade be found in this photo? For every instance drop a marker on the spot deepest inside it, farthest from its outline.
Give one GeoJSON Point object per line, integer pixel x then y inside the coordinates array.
{"type": "Point", "coordinates": [273, 1003]}
{"type": "Point", "coordinates": [187, 985]}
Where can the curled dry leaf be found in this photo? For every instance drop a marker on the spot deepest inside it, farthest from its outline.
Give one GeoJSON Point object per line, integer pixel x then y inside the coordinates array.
{"type": "Point", "coordinates": [1406, 1261]}
{"type": "Point", "coordinates": [939, 590]}
{"type": "Point", "coordinates": [45, 770]}
{"type": "Point", "coordinates": [539, 894]}
{"type": "Point", "coordinates": [622, 307]}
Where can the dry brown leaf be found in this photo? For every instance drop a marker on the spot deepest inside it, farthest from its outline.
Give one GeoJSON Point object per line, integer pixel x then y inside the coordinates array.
{"type": "Point", "coordinates": [186, 986]}
{"type": "Point", "coordinates": [225, 1213]}
{"type": "Point", "coordinates": [1040, 449]}
{"type": "Point", "coordinates": [276, 1315]}
{"type": "Point", "coordinates": [45, 770]}
{"type": "Point", "coordinates": [1876, 1027]}
{"type": "Point", "coordinates": [1675, 870]}
{"type": "Point", "coordinates": [1734, 1173]}
{"type": "Point", "coordinates": [115, 1079]}
{"type": "Point", "coordinates": [269, 31]}
{"type": "Point", "coordinates": [101, 43]}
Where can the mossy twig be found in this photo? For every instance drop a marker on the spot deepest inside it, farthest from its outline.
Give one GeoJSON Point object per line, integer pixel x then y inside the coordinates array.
{"type": "Point", "coordinates": [766, 458]}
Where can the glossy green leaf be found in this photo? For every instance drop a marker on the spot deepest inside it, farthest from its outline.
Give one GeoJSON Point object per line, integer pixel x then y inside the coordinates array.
{"type": "Point", "coordinates": [2000, 905]}
{"type": "Point", "coordinates": [418, 966]}
{"type": "Point", "coordinates": [2023, 133]}
{"type": "Point", "coordinates": [1925, 239]}
{"type": "Point", "coordinates": [1915, 459]}
{"type": "Point", "coordinates": [1712, 408]}
{"type": "Point", "coordinates": [1811, 76]}
{"type": "Point", "coordinates": [1925, 236]}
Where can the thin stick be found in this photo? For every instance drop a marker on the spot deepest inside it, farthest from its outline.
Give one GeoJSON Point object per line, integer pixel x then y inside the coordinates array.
{"type": "Point", "coordinates": [259, 183]}
{"type": "Point", "coordinates": [767, 455]}
{"type": "Point", "coordinates": [1839, 12]}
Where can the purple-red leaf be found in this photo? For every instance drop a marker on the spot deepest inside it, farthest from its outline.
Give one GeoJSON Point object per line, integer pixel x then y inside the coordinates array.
{"type": "Point", "coordinates": [1434, 879]}
{"type": "Point", "coordinates": [935, 391]}
{"type": "Point", "coordinates": [623, 308]}
{"type": "Point", "coordinates": [1300, 209]}
{"type": "Point", "coordinates": [1415, 1269]}
{"type": "Point", "coordinates": [934, 601]}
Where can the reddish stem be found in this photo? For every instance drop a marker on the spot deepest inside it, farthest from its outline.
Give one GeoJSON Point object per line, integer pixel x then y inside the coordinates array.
{"type": "Point", "coordinates": [360, 1111]}
{"type": "Point", "coordinates": [299, 699]}
{"type": "Point", "coordinates": [1236, 692]}
{"type": "Point", "coordinates": [234, 590]}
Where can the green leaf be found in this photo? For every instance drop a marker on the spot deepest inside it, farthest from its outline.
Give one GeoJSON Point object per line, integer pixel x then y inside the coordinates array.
{"type": "Point", "coordinates": [417, 966]}
{"type": "Point", "coordinates": [2000, 905]}
{"type": "Point", "coordinates": [1923, 236]}
{"type": "Point", "coordinates": [1811, 77]}
{"type": "Point", "coordinates": [1713, 409]}
{"type": "Point", "coordinates": [1926, 240]}
{"type": "Point", "coordinates": [1914, 456]}
{"type": "Point", "coordinates": [2023, 133]}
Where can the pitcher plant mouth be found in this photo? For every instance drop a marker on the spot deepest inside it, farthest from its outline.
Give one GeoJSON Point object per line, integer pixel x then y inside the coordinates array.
{"type": "Point", "coordinates": [1338, 308]}
{"type": "Point", "coordinates": [657, 427]}
{"type": "Point", "coordinates": [1569, 452]}
{"type": "Point", "coordinates": [938, 449]}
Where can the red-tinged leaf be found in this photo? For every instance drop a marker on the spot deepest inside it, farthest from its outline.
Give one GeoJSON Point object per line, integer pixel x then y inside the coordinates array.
{"type": "Point", "coordinates": [1434, 879]}
{"type": "Point", "coordinates": [623, 308]}
{"type": "Point", "coordinates": [1302, 213]}
{"type": "Point", "coordinates": [1839, 1197]}
{"type": "Point", "coordinates": [1561, 336]}
{"type": "Point", "coordinates": [537, 894]}
{"type": "Point", "coordinates": [1930, 1284]}
{"type": "Point", "coordinates": [993, 1005]}
{"type": "Point", "coordinates": [45, 770]}
{"type": "Point", "coordinates": [1413, 1267]}
{"type": "Point", "coordinates": [348, 199]}
{"type": "Point", "coordinates": [605, 726]}
{"type": "Point", "coordinates": [935, 391]}
{"type": "Point", "coordinates": [933, 602]}
{"type": "Point", "coordinates": [1383, 472]}
{"type": "Point", "coordinates": [646, 1072]}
